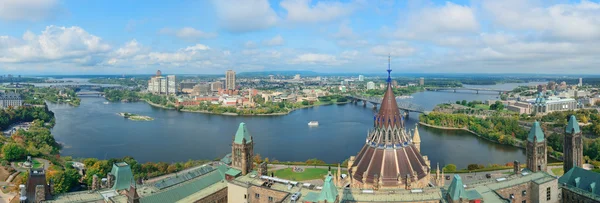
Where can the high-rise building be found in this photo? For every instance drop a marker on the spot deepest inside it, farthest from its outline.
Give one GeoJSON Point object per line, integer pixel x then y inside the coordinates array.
{"type": "Point", "coordinates": [297, 77]}
{"type": "Point", "coordinates": [580, 82]}
{"type": "Point", "coordinates": [242, 150]}
{"type": "Point", "coordinates": [421, 81]}
{"type": "Point", "coordinates": [370, 85]}
{"type": "Point", "coordinates": [230, 80]}
{"type": "Point", "coordinates": [216, 86]}
{"type": "Point", "coordinates": [171, 84]}
{"type": "Point", "coordinates": [161, 85]}
{"type": "Point", "coordinates": [361, 78]}
{"type": "Point", "coordinates": [573, 145]}
{"type": "Point", "coordinates": [536, 149]}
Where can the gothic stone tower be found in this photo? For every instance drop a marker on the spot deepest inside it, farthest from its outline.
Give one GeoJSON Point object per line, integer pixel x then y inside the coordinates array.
{"type": "Point", "coordinates": [536, 149]}
{"type": "Point", "coordinates": [242, 150]}
{"type": "Point", "coordinates": [573, 145]}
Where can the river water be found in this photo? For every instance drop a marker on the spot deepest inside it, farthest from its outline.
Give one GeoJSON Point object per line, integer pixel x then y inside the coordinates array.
{"type": "Point", "coordinates": [95, 130]}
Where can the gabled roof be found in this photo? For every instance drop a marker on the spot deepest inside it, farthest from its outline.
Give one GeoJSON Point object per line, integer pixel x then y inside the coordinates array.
{"type": "Point", "coordinates": [573, 125]}
{"type": "Point", "coordinates": [456, 189]}
{"type": "Point", "coordinates": [580, 178]}
{"type": "Point", "coordinates": [241, 134]}
{"type": "Point", "coordinates": [329, 192]}
{"type": "Point", "coordinates": [536, 133]}
{"type": "Point", "coordinates": [123, 176]}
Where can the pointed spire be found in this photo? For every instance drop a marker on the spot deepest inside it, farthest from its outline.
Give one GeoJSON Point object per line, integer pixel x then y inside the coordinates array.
{"type": "Point", "coordinates": [389, 70]}
{"type": "Point", "coordinates": [573, 126]}
{"type": "Point", "coordinates": [416, 137]}
{"type": "Point", "coordinates": [536, 134]}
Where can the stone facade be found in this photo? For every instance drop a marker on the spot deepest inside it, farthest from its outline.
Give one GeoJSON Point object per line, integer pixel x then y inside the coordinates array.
{"type": "Point", "coordinates": [217, 197]}
{"type": "Point", "coordinates": [257, 194]}
{"type": "Point", "coordinates": [572, 150]}
{"type": "Point", "coordinates": [532, 192]}
{"type": "Point", "coordinates": [569, 195]}
{"type": "Point", "coordinates": [236, 192]}
{"type": "Point", "coordinates": [241, 156]}
{"type": "Point", "coordinates": [536, 156]}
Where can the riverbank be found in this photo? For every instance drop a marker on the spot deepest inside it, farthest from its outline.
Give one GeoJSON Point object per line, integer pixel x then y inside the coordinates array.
{"type": "Point", "coordinates": [236, 114]}
{"type": "Point", "coordinates": [519, 143]}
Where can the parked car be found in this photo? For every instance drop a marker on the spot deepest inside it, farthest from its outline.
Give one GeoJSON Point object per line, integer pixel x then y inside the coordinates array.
{"type": "Point", "coordinates": [488, 175]}
{"type": "Point", "coordinates": [296, 196]}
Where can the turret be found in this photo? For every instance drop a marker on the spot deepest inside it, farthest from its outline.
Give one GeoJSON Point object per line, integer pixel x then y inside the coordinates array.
{"type": "Point", "coordinates": [416, 138]}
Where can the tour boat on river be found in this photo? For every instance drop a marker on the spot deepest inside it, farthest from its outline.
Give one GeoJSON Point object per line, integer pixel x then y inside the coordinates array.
{"type": "Point", "coordinates": [313, 123]}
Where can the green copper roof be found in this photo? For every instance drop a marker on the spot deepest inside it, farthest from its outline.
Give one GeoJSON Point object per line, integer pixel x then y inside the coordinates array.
{"type": "Point", "coordinates": [573, 125]}
{"type": "Point", "coordinates": [233, 172]}
{"type": "Point", "coordinates": [582, 179]}
{"type": "Point", "coordinates": [188, 188]}
{"type": "Point", "coordinates": [242, 133]}
{"type": "Point", "coordinates": [123, 176]}
{"type": "Point", "coordinates": [329, 192]}
{"type": "Point", "coordinates": [536, 132]}
{"type": "Point", "coordinates": [456, 189]}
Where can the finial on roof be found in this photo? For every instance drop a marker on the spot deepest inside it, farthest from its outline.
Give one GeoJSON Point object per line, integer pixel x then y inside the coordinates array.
{"type": "Point", "coordinates": [389, 70]}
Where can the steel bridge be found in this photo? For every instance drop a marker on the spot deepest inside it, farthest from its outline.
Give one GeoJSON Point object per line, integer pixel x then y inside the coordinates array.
{"type": "Point", "coordinates": [476, 90]}
{"type": "Point", "coordinates": [403, 105]}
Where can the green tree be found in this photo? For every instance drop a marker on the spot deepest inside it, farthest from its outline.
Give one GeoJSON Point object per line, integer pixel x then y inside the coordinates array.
{"type": "Point", "coordinates": [65, 180]}
{"type": "Point", "coordinates": [305, 103]}
{"type": "Point", "coordinates": [13, 151]}
{"type": "Point", "coordinates": [450, 168]}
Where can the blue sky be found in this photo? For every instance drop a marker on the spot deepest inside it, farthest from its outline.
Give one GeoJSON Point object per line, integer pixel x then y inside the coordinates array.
{"type": "Point", "coordinates": [211, 36]}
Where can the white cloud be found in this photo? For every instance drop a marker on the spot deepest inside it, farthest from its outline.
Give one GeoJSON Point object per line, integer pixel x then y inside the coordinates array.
{"type": "Point", "coordinates": [250, 44]}
{"type": "Point", "coordinates": [54, 43]}
{"type": "Point", "coordinates": [439, 21]}
{"type": "Point", "coordinates": [393, 49]}
{"type": "Point", "coordinates": [316, 59]}
{"type": "Point", "coordinates": [275, 41]}
{"type": "Point", "coordinates": [28, 10]}
{"type": "Point", "coordinates": [131, 48]}
{"type": "Point", "coordinates": [323, 11]}
{"type": "Point", "coordinates": [188, 33]}
{"type": "Point", "coordinates": [578, 21]}
{"type": "Point", "coordinates": [244, 15]}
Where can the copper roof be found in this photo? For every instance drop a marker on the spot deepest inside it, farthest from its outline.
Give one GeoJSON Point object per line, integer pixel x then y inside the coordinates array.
{"type": "Point", "coordinates": [389, 152]}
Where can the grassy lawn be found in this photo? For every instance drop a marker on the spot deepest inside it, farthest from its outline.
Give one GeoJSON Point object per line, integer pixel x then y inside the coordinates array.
{"type": "Point", "coordinates": [482, 106]}
{"type": "Point", "coordinates": [308, 174]}
{"type": "Point", "coordinates": [558, 171]}
{"type": "Point", "coordinates": [36, 164]}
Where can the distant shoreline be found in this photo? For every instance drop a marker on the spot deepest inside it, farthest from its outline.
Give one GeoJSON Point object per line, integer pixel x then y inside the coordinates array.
{"type": "Point", "coordinates": [236, 114]}
{"type": "Point", "coordinates": [517, 144]}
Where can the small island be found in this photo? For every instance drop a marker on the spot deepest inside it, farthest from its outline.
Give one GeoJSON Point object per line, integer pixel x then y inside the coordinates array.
{"type": "Point", "coordinates": [135, 117]}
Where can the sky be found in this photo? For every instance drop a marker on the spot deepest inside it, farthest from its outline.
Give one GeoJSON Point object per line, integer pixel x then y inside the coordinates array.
{"type": "Point", "coordinates": [212, 36]}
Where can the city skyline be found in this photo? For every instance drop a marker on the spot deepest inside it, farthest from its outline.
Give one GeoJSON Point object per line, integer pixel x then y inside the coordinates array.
{"type": "Point", "coordinates": [478, 36]}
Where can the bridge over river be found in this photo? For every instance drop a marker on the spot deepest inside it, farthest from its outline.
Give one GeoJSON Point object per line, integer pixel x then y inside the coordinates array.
{"type": "Point", "coordinates": [404, 105]}
{"type": "Point", "coordinates": [466, 89]}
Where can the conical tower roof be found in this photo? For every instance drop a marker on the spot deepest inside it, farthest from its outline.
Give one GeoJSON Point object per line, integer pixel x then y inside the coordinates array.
{"type": "Point", "coordinates": [389, 155]}
{"type": "Point", "coordinates": [389, 114]}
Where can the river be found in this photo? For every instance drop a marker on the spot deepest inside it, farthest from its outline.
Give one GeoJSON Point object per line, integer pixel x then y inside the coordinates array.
{"type": "Point", "coordinates": [95, 130]}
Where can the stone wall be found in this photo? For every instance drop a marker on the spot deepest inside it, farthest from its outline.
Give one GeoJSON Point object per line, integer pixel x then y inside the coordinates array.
{"type": "Point", "coordinates": [517, 192]}
{"type": "Point", "coordinates": [217, 197]}
{"type": "Point", "coordinates": [236, 193]}
{"type": "Point", "coordinates": [258, 194]}
{"type": "Point", "coordinates": [541, 192]}
{"type": "Point", "coordinates": [569, 196]}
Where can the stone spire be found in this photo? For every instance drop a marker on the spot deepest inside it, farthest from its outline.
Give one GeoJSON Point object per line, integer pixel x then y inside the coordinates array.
{"type": "Point", "coordinates": [416, 138]}
{"type": "Point", "coordinates": [339, 175]}
{"type": "Point", "coordinates": [437, 175]}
